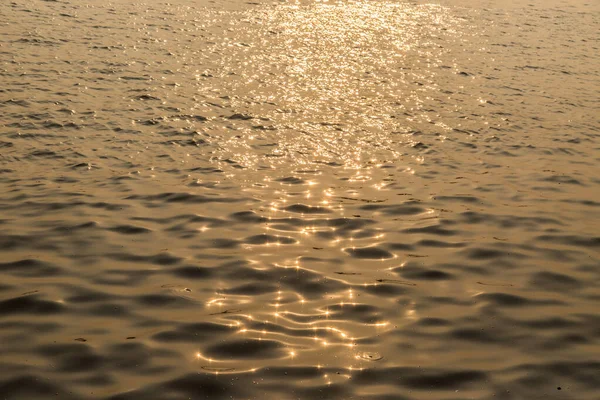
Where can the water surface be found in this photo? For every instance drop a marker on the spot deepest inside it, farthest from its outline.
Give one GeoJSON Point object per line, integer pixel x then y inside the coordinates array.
{"type": "Point", "coordinates": [299, 200]}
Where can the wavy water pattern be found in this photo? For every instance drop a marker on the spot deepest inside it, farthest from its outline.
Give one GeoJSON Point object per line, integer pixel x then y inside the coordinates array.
{"type": "Point", "coordinates": [299, 200]}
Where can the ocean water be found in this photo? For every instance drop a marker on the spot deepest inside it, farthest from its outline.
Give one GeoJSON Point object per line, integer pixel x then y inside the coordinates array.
{"type": "Point", "coordinates": [299, 200]}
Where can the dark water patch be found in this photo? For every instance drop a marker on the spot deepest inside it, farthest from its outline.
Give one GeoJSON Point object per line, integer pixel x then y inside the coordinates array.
{"type": "Point", "coordinates": [108, 310]}
{"type": "Point", "coordinates": [422, 273]}
{"type": "Point", "coordinates": [192, 272]}
{"type": "Point", "coordinates": [311, 285]}
{"type": "Point", "coordinates": [373, 253]}
{"type": "Point", "coordinates": [200, 385]}
{"type": "Point", "coordinates": [386, 289]}
{"type": "Point", "coordinates": [96, 380]}
{"type": "Point", "coordinates": [250, 289]}
{"type": "Point", "coordinates": [481, 335]}
{"type": "Point", "coordinates": [39, 208]}
{"type": "Point", "coordinates": [554, 189]}
{"type": "Point", "coordinates": [327, 390]}
{"type": "Point", "coordinates": [389, 397]}
{"type": "Point", "coordinates": [399, 246]}
{"type": "Point", "coordinates": [183, 198]}
{"type": "Point", "coordinates": [459, 199]}
{"type": "Point", "coordinates": [433, 322]}
{"type": "Point", "coordinates": [108, 206]}
{"type": "Point", "coordinates": [187, 218]}
{"type": "Point", "coordinates": [355, 199]}
{"type": "Point", "coordinates": [410, 208]}
{"type": "Point", "coordinates": [304, 209]}
{"type": "Point", "coordinates": [135, 78]}
{"type": "Point", "coordinates": [242, 117]}
{"type": "Point", "coordinates": [556, 282]}
{"type": "Point", "coordinates": [34, 387]}
{"type": "Point", "coordinates": [36, 41]}
{"type": "Point", "coordinates": [191, 117]}
{"type": "Point", "coordinates": [245, 349]}
{"type": "Point", "coordinates": [562, 179]}
{"type": "Point", "coordinates": [438, 230]}
{"type": "Point", "coordinates": [123, 178]}
{"type": "Point", "coordinates": [242, 270]}
{"type": "Point", "coordinates": [164, 300]}
{"type": "Point", "coordinates": [192, 333]}
{"type": "Point", "coordinates": [572, 240]}
{"type": "Point", "coordinates": [4, 287]}
{"type": "Point", "coordinates": [562, 342]}
{"type": "Point", "coordinates": [75, 357]}
{"type": "Point", "coordinates": [421, 378]}
{"type": "Point", "coordinates": [293, 372]}
{"type": "Point", "coordinates": [581, 373]}
{"type": "Point", "coordinates": [163, 258]}
{"type": "Point", "coordinates": [30, 305]}
{"type": "Point", "coordinates": [248, 217]}
{"type": "Point", "coordinates": [31, 327]}
{"type": "Point", "coordinates": [227, 311]}
{"type": "Point", "coordinates": [287, 224]}
{"type": "Point", "coordinates": [446, 300]}
{"type": "Point", "coordinates": [124, 356]}
{"type": "Point", "coordinates": [206, 170]}
{"type": "Point", "coordinates": [319, 260]}
{"type": "Point", "coordinates": [82, 166]}
{"type": "Point", "coordinates": [30, 268]}
{"type": "Point", "coordinates": [85, 295]}
{"type": "Point", "coordinates": [292, 180]}
{"type": "Point", "coordinates": [554, 323]}
{"type": "Point", "coordinates": [233, 163]}
{"type": "Point", "coordinates": [146, 97]}
{"type": "Point", "coordinates": [484, 253]}
{"type": "Point", "coordinates": [439, 244]}
{"type": "Point", "coordinates": [395, 281]}
{"type": "Point", "coordinates": [562, 255]}
{"type": "Point", "coordinates": [222, 243]}
{"type": "Point", "coordinates": [123, 277]}
{"type": "Point", "coordinates": [129, 229]}
{"type": "Point", "coordinates": [589, 203]}
{"type": "Point", "coordinates": [265, 239]}
{"type": "Point", "coordinates": [44, 154]}
{"type": "Point", "coordinates": [364, 313]}
{"type": "Point", "coordinates": [37, 135]}
{"type": "Point", "coordinates": [22, 103]}
{"type": "Point", "coordinates": [344, 224]}
{"type": "Point", "coordinates": [495, 284]}
{"type": "Point", "coordinates": [186, 142]}
{"type": "Point", "coordinates": [511, 300]}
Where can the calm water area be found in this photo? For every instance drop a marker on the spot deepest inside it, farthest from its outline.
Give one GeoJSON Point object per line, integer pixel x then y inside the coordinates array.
{"type": "Point", "coordinates": [279, 200]}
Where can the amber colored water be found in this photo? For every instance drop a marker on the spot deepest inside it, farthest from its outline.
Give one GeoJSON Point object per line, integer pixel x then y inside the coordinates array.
{"type": "Point", "coordinates": [299, 200]}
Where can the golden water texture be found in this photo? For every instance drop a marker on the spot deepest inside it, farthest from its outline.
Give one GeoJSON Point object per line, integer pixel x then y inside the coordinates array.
{"type": "Point", "coordinates": [314, 200]}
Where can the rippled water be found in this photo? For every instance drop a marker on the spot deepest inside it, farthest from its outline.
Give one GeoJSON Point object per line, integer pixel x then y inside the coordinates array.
{"type": "Point", "coordinates": [310, 200]}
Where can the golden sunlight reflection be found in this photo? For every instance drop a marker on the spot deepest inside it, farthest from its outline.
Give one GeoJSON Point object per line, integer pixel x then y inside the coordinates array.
{"type": "Point", "coordinates": [328, 108]}
{"type": "Point", "coordinates": [330, 118]}
{"type": "Point", "coordinates": [295, 316]}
